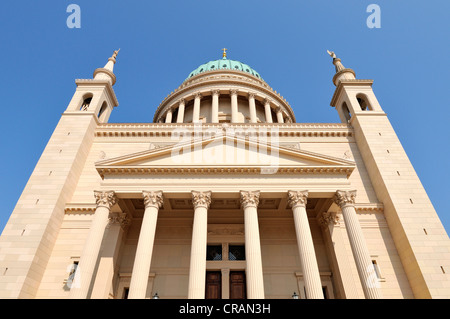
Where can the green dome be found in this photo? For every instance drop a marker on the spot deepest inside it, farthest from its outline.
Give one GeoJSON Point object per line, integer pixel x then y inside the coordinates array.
{"type": "Point", "coordinates": [226, 64]}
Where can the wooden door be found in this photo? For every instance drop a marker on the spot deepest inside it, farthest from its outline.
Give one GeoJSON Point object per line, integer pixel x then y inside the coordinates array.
{"type": "Point", "coordinates": [213, 285]}
{"type": "Point", "coordinates": [237, 285]}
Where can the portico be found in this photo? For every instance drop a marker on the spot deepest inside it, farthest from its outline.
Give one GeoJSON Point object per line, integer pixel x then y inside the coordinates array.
{"type": "Point", "coordinates": [244, 218]}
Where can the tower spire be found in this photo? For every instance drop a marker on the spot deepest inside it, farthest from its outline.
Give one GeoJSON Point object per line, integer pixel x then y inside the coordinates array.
{"type": "Point", "coordinates": [341, 72]}
{"type": "Point", "coordinates": [107, 72]}
{"type": "Point", "coordinates": [112, 61]}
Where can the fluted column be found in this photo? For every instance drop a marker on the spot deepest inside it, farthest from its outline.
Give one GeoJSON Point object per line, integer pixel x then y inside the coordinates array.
{"type": "Point", "coordinates": [180, 116]}
{"type": "Point", "coordinates": [310, 269]}
{"type": "Point", "coordinates": [234, 106]}
{"type": "Point", "coordinates": [197, 269]}
{"type": "Point", "coordinates": [142, 261]}
{"type": "Point", "coordinates": [346, 200]}
{"type": "Point", "coordinates": [279, 115]}
{"type": "Point", "coordinates": [252, 107]}
{"type": "Point", "coordinates": [89, 256]}
{"type": "Point", "coordinates": [268, 111]}
{"type": "Point", "coordinates": [215, 106]}
{"type": "Point", "coordinates": [169, 116]}
{"type": "Point", "coordinates": [254, 272]}
{"type": "Point", "coordinates": [196, 112]}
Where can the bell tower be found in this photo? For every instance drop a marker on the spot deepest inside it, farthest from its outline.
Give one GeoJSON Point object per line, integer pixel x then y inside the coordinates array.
{"type": "Point", "coordinates": [419, 236]}
{"type": "Point", "coordinates": [30, 234]}
{"type": "Point", "coordinates": [96, 96]}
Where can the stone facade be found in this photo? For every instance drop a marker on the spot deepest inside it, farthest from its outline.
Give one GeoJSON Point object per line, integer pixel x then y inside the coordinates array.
{"type": "Point", "coordinates": [120, 210]}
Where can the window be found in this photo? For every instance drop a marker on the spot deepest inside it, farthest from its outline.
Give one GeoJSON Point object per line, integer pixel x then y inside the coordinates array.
{"type": "Point", "coordinates": [376, 268]}
{"type": "Point", "coordinates": [86, 103]}
{"type": "Point", "coordinates": [214, 252]}
{"type": "Point", "coordinates": [346, 112]}
{"type": "Point", "coordinates": [102, 110]}
{"type": "Point", "coordinates": [126, 290]}
{"type": "Point", "coordinates": [362, 101]}
{"type": "Point", "coordinates": [72, 272]}
{"type": "Point", "coordinates": [236, 252]}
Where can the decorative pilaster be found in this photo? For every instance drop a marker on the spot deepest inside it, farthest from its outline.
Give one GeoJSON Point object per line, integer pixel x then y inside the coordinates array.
{"type": "Point", "coordinates": [234, 105]}
{"type": "Point", "coordinates": [180, 116]}
{"type": "Point", "coordinates": [268, 111]}
{"type": "Point", "coordinates": [254, 273]}
{"type": "Point", "coordinates": [313, 286]}
{"type": "Point", "coordinates": [346, 200]}
{"type": "Point", "coordinates": [197, 270]}
{"type": "Point", "coordinates": [142, 262]}
{"type": "Point", "coordinates": [215, 106]}
{"type": "Point", "coordinates": [252, 107]}
{"type": "Point", "coordinates": [196, 112]}
{"type": "Point", "coordinates": [89, 256]}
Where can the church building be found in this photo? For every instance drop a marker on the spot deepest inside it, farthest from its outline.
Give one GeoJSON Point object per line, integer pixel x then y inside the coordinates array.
{"type": "Point", "coordinates": [224, 195]}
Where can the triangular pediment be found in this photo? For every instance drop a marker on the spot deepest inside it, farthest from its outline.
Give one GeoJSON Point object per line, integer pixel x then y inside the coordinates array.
{"type": "Point", "coordinates": [225, 154]}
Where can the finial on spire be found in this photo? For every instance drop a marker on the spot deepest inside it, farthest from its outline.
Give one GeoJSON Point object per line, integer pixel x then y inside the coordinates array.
{"type": "Point", "coordinates": [224, 55]}
{"type": "Point", "coordinates": [336, 61]}
{"type": "Point", "coordinates": [341, 71]}
{"type": "Point", "coordinates": [114, 56]}
{"type": "Point", "coordinates": [107, 72]}
{"type": "Point", "coordinates": [331, 53]}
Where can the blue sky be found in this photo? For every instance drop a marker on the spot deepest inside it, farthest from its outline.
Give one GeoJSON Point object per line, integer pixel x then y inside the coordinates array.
{"type": "Point", "coordinates": [285, 41]}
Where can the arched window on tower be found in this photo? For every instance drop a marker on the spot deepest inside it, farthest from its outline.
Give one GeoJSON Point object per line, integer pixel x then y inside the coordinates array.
{"type": "Point", "coordinates": [102, 111]}
{"type": "Point", "coordinates": [86, 102]}
{"type": "Point", "coordinates": [346, 112]}
{"type": "Point", "coordinates": [363, 102]}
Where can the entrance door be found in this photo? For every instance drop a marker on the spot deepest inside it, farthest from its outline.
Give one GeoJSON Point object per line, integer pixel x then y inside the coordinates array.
{"type": "Point", "coordinates": [213, 285]}
{"type": "Point", "coordinates": [237, 285]}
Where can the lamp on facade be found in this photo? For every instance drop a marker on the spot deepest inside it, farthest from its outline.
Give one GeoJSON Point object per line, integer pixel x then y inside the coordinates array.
{"type": "Point", "coordinates": [155, 296]}
{"type": "Point", "coordinates": [295, 296]}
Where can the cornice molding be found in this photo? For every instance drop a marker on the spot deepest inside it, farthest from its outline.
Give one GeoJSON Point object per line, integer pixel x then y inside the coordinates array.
{"type": "Point", "coordinates": [167, 129]}
{"type": "Point", "coordinates": [110, 170]}
{"type": "Point", "coordinates": [109, 88]}
{"type": "Point", "coordinates": [342, 83]}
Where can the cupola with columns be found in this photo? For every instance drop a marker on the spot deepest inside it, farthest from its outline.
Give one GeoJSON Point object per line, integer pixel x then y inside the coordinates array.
{"type": "Point", "coordinates": [224, 91]}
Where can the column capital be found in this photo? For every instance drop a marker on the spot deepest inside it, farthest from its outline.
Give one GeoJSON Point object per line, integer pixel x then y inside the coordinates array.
{"type": "Point", "coordinates": [345, 198]}
{"type": "Point", "coordinates": [328, 218]}
{"type": "Point", "coordinates": [234, 91]}
{"type": "Point", "coordinates": [153, 198]}
{"type": "Point", "coordinates": [251, 95]}
{"type": "Point", "coordinates": [297, 198]}
{"type": "Point", "coordinates": [215, 92]}
{"type": "Point", "coordinates": [249, 198]}
{"type": "Point", "coordinates": [181, 101]}
{"type": "Point", "coordinates": [197, 95]}
{"type": "Point", "coordinates": [105, 199]}
{"type": "Point", "coordinates": [201, 199]}
{"type": "Point", "coordinates": [267, 101]}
